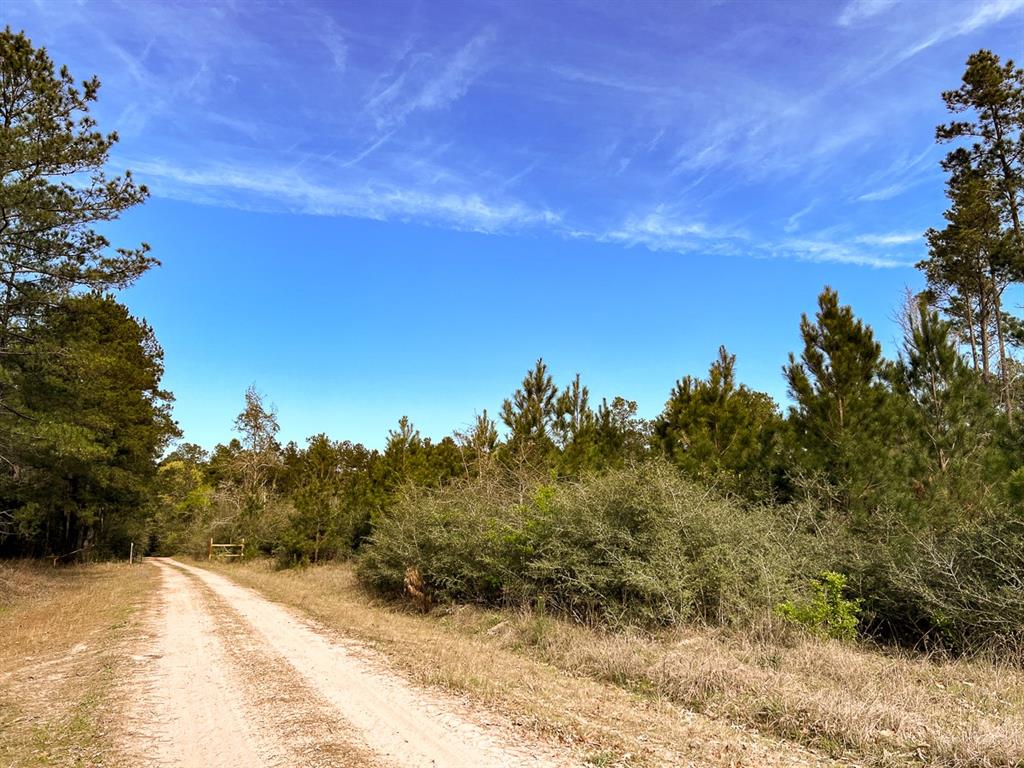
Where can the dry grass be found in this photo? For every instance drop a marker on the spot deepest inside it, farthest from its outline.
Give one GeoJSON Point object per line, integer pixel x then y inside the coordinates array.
{"type": "Point", "coordinates": [610, 725]}
{"type": "Point", "coordinates": [881, 708]}
{"type": "Point", "coordinates": [62, 632]}
{"type": "Point", "coordinates": [636, 696]}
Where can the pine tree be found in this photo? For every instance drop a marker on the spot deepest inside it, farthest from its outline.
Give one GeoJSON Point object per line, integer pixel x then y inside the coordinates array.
{"type": "Point", "coordinates": [994, 92]}
{"type": "Point", "coordinates": [479, 443]}
{"type": "Point", "coordinates": [96, 422]}
{"type": "Point", "coordinates": [575, 429]}
{"type": "Point", "coordinates": [843, 408]}
{"type": "Point", "coordinates": [952, 419]}
{"type": "Point", "coordinates": [53, 191]}
{"type": "Point", "coordinates": [530, 415]}
{"type": "Point", "coordinates": [717, 430]}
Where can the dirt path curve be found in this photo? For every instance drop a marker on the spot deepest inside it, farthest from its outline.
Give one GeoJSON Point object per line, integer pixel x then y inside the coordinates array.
{"type": "Point", "coordinates": [232, 679]}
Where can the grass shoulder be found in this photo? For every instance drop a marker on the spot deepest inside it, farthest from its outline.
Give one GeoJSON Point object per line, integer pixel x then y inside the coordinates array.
{"type": "Point", "coordinates": [63, 636]}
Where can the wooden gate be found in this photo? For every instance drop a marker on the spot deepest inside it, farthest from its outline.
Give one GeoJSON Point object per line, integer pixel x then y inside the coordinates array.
{"type": "Point", "coordinates": [225, 551]}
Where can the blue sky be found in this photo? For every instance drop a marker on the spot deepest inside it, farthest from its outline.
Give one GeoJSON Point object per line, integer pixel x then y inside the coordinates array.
{"type": "Point", "coordinates": [377, 209]}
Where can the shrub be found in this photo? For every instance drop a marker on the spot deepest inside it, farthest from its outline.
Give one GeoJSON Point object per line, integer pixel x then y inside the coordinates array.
{"type": "Point", "coordinates": [638, 546]}
{"type": "Point", "coordinates": [827, 611]}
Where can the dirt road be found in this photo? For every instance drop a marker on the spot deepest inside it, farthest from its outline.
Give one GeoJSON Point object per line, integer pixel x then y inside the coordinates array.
{"type": "Point", "coordinates": [230, 678]}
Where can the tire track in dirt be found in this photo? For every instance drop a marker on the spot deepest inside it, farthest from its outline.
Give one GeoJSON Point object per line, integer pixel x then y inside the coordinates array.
{"type": "Point", "coordinates": [287, 711]}
{"type": "Point", "coordinates": [187, 707]}
{"type": "Point", "coordinates": [237, 680]}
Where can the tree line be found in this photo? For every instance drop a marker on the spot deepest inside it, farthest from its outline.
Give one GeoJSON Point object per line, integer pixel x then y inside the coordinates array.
{"type": "Point", "coordinates": [895, 482]}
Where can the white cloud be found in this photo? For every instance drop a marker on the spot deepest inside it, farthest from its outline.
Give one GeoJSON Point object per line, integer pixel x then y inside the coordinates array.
{"type": "Point", "coordinates": [288, 190]}
{"type": "Point", "coordinates": [429, 82]}
{"type": "Point", "coordinates": [335, 44]}
{"type": "Point", "coordinates": [983, 14]}
{"type": "Point", "coordinates": [793, 222]}
{"type": "Point", "coordinates": [885, 193]}
{"type": "Point", "coordinates": [893, 238]}
{"type": "Point", "coordinates": [659, 230]}
{"type": "Point", "coordinates": [859, 10]}
{"type": "Point", "coordinates": [832, 251]}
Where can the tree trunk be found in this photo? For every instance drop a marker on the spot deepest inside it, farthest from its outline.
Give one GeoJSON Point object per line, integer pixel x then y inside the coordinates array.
{"type": "Point", "coordinates": [970, 333]}
{"type": "Point", "coordinates": [1008, 190]}
{"type": "Point", "coordinates": [983, 327]}
{"type": "Point", "coordinates": [1004, 379]}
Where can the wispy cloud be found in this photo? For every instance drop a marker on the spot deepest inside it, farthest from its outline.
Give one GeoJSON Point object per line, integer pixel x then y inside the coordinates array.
{"type": "Point", "coordinates": [892, 238]}
{"type": "Point", "coordinates": [503, 121]}
{"type": "Point", "coordinates": [859, 10]}
{"type": "Point", "coordinates": [793, 222]}
{"type": "Point", "coordinates": [428, 82]}
{"type": "Point", "coordinates": [885, 193]}
{"type": "Point", "coordinates": [260, 188]}
{"type": "Point", "coordinates": [334, 41]}
{"type": "Point", "coordinates": [837, 252]}
{"type": "Point", "coordinates": [660, 230]}
{"type": "Point", "coordinates": [982, 14]}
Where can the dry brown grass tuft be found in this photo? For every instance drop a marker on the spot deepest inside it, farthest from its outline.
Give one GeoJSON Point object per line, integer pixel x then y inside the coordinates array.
{"type": "Point", "coordinates": [882, 708]}
{"type": "Point", "coordinates": [62, 631]}
{"type": "Point", "coordinates": [810, 700]}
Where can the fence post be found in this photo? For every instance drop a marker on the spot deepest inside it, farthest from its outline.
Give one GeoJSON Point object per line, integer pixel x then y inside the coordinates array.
{"type": "Point", "coordinates": [131, 553]}
{"type": "Point", "coordinates": [209, 551]}
{"type": "Point", "coordinates": [241, 552]}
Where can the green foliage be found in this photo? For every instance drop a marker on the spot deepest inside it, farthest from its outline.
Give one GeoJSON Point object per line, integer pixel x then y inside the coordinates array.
{"type": "Point", "coordinates": [530, 416]}
{"type": "Point", "coordinates": [717, 431]}
{"type": "Point", "coordinates": [331, 496]}
{"type": "Point", "coordinates": [955, 433]}
{"type": "Point", "coordinates": [95, 422]}
{"type": "Point", "coordinates": [826, 611]}
{"type": "Point", "coordinates": [844, 416]}
{"type": "Point", "coordinates": [82, 417]}
{"type": "Point", "coordinates": [53, 190]}
{"type": "Point", "coordinates": [634, 546]}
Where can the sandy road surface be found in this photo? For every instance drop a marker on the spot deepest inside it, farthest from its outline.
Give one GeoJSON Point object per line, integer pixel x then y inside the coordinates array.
{"type": "Point", "coordinates": [231, 679]}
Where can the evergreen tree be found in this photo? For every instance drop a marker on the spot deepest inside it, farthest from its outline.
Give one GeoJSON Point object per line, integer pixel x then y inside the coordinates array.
{"type": "Point", "coordinates": [479, 443]}
{"type": "Point", "coordinates": [53, 190]}
{"type": "Point", "coordinates": [843, 410]}
{"type": "Point", "coordinates": [622, 437]}
{"type": "Point", "coordinates": [714, 429]}
{"type": "Point", "coordinates": [530, 416]}
{"type": "Point", "coordinates": [95, 423]}
{"type": "Point", "coordinates": [575, 430]}
{"type": "Point", "coordinates": [952, 420]}
{"type": "Point", "coordinates": [967, 267]}
{"type": "Point", "coordinates": [994, 92]}
{"type": "Point", "coordinates": [316, 528]}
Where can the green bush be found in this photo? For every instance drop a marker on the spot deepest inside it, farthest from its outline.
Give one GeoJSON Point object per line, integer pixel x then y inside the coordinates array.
{"type": "Point", "coordinates": [638, 546]}
{"type": "Point", "coordinates": [826, 611]}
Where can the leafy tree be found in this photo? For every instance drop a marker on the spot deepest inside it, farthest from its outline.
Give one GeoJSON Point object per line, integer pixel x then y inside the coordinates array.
{"type": "Point", "coordinates": [260, 457]}
{"type": "Point", "coordinates": [53, 190]}
{"type": "Point", "coordinates": [97, 422]}
{"type": "Point", "coordinates": [182, 517]}
{"type": "Point", "coordinates": [713, 428]}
